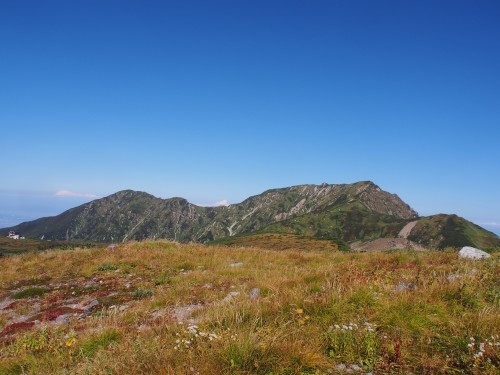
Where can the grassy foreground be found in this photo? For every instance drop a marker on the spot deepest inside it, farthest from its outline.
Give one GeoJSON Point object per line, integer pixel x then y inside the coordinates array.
{"type": "Point", "coordinates": [247, 311]}
{"type": "Point", "coordinates": [10, 246]}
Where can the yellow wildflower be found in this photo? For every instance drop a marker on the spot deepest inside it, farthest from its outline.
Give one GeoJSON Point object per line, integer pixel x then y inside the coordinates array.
{"type": "Point", "coordinates": [70, 342]}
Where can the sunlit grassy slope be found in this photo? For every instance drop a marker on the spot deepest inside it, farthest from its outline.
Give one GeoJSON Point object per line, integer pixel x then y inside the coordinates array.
{"type": "Point", "coordinates": [278, 241]}
{"type": "Point", "coordinates": [10, 246]}
{"type": "Point", "coordinates": [315, 312]}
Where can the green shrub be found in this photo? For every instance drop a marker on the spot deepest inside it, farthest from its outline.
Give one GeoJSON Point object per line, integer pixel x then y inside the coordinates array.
{"type": "Point", "coordinates": [353, 344]}
{"type": "Point", "coordinates": [30, 292]}
{"type": "Point", "coordinates": [36, 341]}
{"type": "Point", "coordinates": [163, 279]}
{"type": "Point", "coordinates": [13, 368]}
{"type": "Point", "coordinates": [185, 266]}
{"type": "Point", "coordinates": [94, 344]}
{"type": "Point", "coordinates": [362, 298]}
{"type": "Point", "coordinates": [143, 293]}
{"type": "Point", "coordinates": [464, 296]}
{"type": "Point", "coordinates": [242, 356]}
{"type": "Point", "coordinates": [107, 267]}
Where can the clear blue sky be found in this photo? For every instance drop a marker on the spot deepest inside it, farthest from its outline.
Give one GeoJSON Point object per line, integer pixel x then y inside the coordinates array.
{"type": "Point", "coordinates": [220, 100]}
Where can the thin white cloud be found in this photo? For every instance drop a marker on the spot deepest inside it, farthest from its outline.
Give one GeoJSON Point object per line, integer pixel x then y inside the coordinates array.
{"type": "Point", "coordinates": [72, 194]}
{"type": "Point", "coordinates": [220, 203]}
{"type": "Point", "coordinates": [491, 224]}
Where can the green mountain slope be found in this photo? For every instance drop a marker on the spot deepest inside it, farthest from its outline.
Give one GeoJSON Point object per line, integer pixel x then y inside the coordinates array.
{"type": "Point", "coordinates": [126, 215]}
{"type": "Point", "coordinates": [340, 213]}
{"type": "Point", "coordinates": [346, 222]}
{"type": "Point", "coordinates": [441, 231]}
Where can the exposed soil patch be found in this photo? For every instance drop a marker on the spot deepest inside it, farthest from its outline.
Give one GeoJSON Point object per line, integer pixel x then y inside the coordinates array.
{"type": "Point", "coordinates": [405, 232]}
{"type": "Point", "coordinates": [385, 244]}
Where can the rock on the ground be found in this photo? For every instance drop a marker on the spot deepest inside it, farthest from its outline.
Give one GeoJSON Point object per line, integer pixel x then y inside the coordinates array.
{"type": "Point", "coordinates": [184, 313]}
{"type": "Point", "coordinates": [230, 296]}
{"type": "Point", "coordinates": [348, 369]}
{"type": "Point", "coordinates": [144, 328]}
{"type": "Point", "coordinates": [91, 304]}
{"type": "Point", "coordinates": [469, 252]}
{"type": "Point", "coordinates": [453, 277]}
{"type": "Point", "coordinates": [402, 287]}
{"type": "Point", "coordinates": [254, 293]}
{"type": "Point", "coordinates": [356, 367]}
{"type": "Point", "coordinates": [62, 319]}
{"type": "Point", "coordinates": [88, 309]}
{"type": "Point", "coordinates": [4, 304]}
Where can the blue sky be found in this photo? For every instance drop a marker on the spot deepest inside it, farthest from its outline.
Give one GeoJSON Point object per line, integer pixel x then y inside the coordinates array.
{"type": "Point", "coordinates": [220, 100]}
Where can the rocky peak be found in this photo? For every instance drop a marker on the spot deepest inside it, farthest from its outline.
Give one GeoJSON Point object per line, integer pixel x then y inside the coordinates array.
{"type": "Point", "coordinates": [129, 214]}
{"type": "Point", "coordinates": [378, 200]}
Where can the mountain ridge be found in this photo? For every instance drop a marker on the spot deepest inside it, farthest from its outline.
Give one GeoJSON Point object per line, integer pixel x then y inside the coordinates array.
{"type": "Point", "coordinates": [343, 213]}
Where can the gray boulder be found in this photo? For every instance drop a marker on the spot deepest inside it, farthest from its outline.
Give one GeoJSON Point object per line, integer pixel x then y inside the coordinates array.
{"type": "Point", "coordinates": [88, 309]}
{"type": "Point", "coordinates": [402, 287]}
{"type": "Point", "coordinates": [469, 252]}
{"type": "Point", "coordinates": [254, 293]}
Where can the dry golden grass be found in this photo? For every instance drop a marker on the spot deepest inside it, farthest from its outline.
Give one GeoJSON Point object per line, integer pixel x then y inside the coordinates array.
{"type": "Point", "coordinates": [279, 241]}
{"type": "Point", "coordinates": [316, 310]}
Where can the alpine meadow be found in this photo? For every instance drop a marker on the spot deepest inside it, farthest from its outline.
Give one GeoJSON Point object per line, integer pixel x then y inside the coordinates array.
{"type": "Point", "coordinates": [274, 187]}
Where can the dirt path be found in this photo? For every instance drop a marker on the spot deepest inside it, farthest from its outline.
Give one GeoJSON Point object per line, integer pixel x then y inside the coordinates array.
{"type": "Point", "coordinates": [385, 244]}
{"type": "Point", "coordinates": [405, 232]}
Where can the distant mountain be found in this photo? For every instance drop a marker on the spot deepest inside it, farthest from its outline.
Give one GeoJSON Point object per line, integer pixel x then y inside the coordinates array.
{"type": "Point", "coordinates": [342, 213]}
